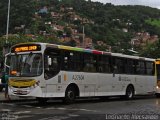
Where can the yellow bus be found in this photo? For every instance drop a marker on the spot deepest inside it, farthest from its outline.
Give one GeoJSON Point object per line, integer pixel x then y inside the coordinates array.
{"type": "Point", "coordinates": [44, 71]}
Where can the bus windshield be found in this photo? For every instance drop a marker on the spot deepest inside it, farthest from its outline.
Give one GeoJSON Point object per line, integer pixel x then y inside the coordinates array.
{"type": "Point", "coordinates": [26, 64]}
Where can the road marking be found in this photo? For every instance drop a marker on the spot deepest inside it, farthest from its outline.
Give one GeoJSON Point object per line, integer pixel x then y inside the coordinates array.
{"type": "Point", "coordinates": [5, 110]}
{"type": "Point", "coordinates": [74, 109]}
{"type": "Point", "coordinates": [9, 104]}
{"type": "Point", "coordinates": [88, 110]}
{"type": "Point", "coordinates": [22, 112]}
{"type": "Point", "coordinates": [61, 108]}
{"type": "Point", "coordinates": [38, 107]}
{"type": "Point", "coordinates": [25, 116]}
{"type": "Point", "coordinates": [26, 106]}
{"type": "Point", "coordinates": [73, 115]}
{"type": "Point", "coordinates": [51, 108]}
{"type": "Point", "coordinates": [56, 118]}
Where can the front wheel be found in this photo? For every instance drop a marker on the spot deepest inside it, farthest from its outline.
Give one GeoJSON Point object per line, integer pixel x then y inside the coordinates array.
{"type": "Point", "coordinates": [69, 95]}
{"type": "Point", "coordinates": [158, 95]}
{"type": "Point", "coordinates": [129, 92]}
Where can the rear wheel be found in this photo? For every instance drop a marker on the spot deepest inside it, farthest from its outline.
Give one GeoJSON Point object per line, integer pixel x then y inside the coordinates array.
{"type": "Point", "coordinates": [70, 95]}
{"type": "Point", "coordinates": [129, 92]}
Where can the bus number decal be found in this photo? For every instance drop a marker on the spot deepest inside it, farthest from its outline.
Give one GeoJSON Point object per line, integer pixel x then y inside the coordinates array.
{"type": "Point", "coordinates": [77, 77]}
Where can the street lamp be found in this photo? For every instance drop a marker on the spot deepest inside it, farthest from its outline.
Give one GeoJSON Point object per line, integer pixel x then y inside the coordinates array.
{"type": "Point", "coordinates": [8, 21]}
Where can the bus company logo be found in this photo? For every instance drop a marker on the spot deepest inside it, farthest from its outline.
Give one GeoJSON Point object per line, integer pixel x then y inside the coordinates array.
{"type": "Point", "coordinates": [78, 77]}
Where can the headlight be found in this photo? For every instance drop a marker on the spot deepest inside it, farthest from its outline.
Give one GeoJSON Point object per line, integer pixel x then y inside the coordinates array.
{"type": "Point", "coordinates": [157, 87]}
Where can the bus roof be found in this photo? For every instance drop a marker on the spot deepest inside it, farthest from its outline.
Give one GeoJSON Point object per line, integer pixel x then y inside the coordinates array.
{"type": "Point", "coordinates": [101, 52]}
{"type": "Point", "coordinates": [87, 50]}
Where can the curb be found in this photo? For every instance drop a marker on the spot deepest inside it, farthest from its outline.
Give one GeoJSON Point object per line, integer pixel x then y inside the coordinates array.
{"type": "Point", "coordinates": [13, 98]}
{"type": "Point", "coordinates": [16, 100]}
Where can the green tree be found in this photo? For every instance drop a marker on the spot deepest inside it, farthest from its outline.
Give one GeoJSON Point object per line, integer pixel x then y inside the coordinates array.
{"type": "Point", "coordinates": [151, 50]}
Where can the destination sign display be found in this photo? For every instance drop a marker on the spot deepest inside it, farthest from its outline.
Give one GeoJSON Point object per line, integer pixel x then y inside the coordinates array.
{"type": "Point", "coordinates": [26, 48]}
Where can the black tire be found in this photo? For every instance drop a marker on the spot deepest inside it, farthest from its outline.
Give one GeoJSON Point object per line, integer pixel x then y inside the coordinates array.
{"type": "Point", "coordinates": [129, 92]}
{"type": "Point", "coordinates": [157, 95]}
{"type": "Point", "coordinates": [70, 95]}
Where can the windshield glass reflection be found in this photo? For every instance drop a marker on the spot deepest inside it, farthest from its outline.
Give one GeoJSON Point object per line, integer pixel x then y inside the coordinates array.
{"type": "Point", "coordinates": [26, 65]}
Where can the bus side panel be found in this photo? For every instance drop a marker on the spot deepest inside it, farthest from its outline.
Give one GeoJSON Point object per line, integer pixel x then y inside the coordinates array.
{"type": "Point", "coordinates": [104, 84]}
{"type": "Point", "coordinates": [144, 84]}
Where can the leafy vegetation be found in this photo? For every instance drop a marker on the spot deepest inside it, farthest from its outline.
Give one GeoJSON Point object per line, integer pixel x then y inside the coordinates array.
{"type": "Point", "coordinates": [153, 22]}
{"type": "Point", "coordinates": [109, 22]}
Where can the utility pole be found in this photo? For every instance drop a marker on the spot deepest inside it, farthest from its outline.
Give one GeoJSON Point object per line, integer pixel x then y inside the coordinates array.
{"type": "Point", "coordinates": [8, 21]}
{"type": "Point", "coordinates": [83, 37]}
{"type": "Point", "coordinates": [6, 46]}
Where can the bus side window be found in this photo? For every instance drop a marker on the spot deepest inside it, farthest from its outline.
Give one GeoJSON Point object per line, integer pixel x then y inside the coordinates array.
{"type": "Point", "coordinates": [115, 68]}
{"type": "Point", "coordinates": [54, 64]}
{"type": "Point", "coordinates": [66, 61]}
{"type": "Point", "coordinates": [137, 67]}
{"type": "Point", "coordinates": [104, 64]}
{"type": "Point", "coordinates": [89, 63]}
{"type": "Point", "coordinates": [100, 68]}
{"type": "Point", "coordinates": [153, 69]}
{"type": "Point", "coordinates": [51, 63]}
{"type": "Point", "coordinates": [150, 68]}
{"type": "Point", "coordinates": [130, 67]}
{"type": "Point", "coordinates": [140, 67]}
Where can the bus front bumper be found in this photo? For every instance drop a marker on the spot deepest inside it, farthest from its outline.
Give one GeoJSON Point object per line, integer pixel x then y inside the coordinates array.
{"type": "Point", "coordinates": [25, 92]}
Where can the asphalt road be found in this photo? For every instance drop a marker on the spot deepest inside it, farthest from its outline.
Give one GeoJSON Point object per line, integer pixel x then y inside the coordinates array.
{"type": "Point", "coordinates": [144, 107]}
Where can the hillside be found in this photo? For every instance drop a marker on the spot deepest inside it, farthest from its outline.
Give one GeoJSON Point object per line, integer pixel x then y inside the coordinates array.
{"type": "Point", "coordinates": [66, 20]}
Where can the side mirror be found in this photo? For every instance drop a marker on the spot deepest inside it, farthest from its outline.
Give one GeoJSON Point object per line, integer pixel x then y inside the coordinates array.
{"type": "Point", "coordinates": [7, 60]}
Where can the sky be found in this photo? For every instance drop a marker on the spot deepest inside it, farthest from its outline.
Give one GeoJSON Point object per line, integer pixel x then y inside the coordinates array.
{"type": "Point", "coordinates": [150, 3]}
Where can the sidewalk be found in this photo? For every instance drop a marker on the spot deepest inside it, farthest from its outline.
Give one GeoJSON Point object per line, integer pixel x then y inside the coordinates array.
{"type": "Point", "coordinates": [2, 97]}
{"type": "Point", "coordinates": [12, 98]}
